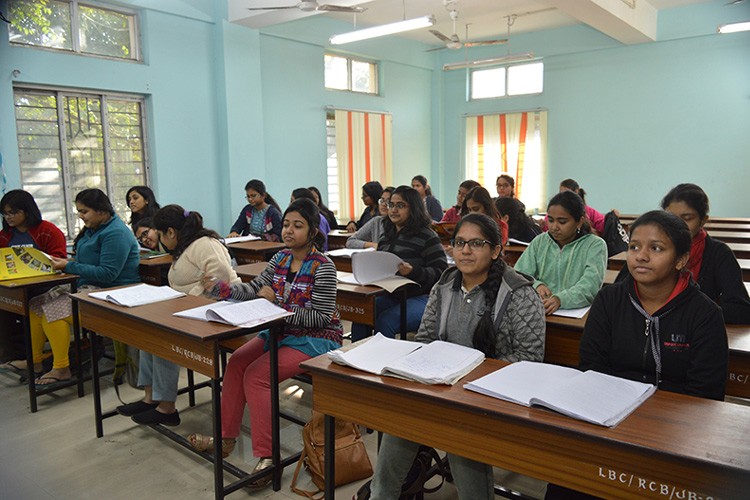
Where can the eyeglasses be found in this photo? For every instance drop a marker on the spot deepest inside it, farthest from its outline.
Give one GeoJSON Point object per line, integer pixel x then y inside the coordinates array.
{"type": "Point", "coordinates": [251, 197]}
{"type": "Point", "coordinates": [383, 201]}
{"type": "Point", "coordinates": [143, 238]}
{"type": "Point", "coordinates": [400, 205]}
{"type": "Point", "coordinates": [12, 213]}
{"type": "Point", "coordinates": [473, 244]}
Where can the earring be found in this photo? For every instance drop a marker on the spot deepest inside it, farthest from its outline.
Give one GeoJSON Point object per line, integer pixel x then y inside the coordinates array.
{"type": "Point", "coordinates": [578, 230]}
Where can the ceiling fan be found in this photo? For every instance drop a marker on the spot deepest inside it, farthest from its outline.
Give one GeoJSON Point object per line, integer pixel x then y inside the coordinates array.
{"type": "Point", "coordinates": [314, 6]}
{"type": "Point", "coordinates": [453, 42]}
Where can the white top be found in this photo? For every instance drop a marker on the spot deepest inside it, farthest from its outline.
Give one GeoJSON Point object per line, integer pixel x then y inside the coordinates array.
{"type": "Point", "coordinates": [205, 256]}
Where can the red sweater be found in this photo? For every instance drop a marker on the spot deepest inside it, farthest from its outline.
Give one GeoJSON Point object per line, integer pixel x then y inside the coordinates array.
{"type": "Point", "coordinates": [47, 237]}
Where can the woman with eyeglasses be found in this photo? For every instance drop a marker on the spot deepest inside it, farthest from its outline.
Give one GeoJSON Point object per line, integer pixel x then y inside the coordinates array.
{"type": "Point", "coordinates": [481, 303]}
{"type": "Point", "coordinates": [407, 233]}
{"type": "Point", "coordinates": [368, 235]}
{"type": "Point", "coordinates": [371, 192]}
{"type": "Point", "coordinates": [147, 236]}
{"type": "Point", "coordinates": [142, 203]}
{"type": "Point", "coordinates": [567, 262]}
{"type": "Point", "coordinates": [260, 217]}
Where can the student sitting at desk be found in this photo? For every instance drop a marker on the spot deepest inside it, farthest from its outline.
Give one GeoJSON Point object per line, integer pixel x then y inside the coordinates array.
{"type": "Point", "coordinates": [197, 252]}
{"type": "Point", "coordinates": [567, 262]}
{"type": "Point", "coordinates": [408, 235]}
{"type": "Point", "coordinates": [261, 216]}
{"type": "Point", "coordinates": [596, 218]}
{"type": "Point", "coordinates": [299, 279]}
{"type": "Point", "coordinates": [23, 226]}
{"type": "Point", "coordinates": [506, 188]}
{"type": "Point", "coordinates": [479, 201]}
{"type": "Point", "coordinates": [142, 203]}
{"type": "Point", "coordinates": [521, 227]}
{"type": "Point", "coordinates": [323, 225]}
{"type": "Point", "coordinates": [106, 255]}
{"type": "Point", "coordinates": [684, 345]}
{"type": "Point", "coordinates": [368, 235]}
{"type": "Point", "coordinates": [454, 213]}
{"type": "Point", "coordinates": [371, 192]}
{"type": "Point", "coordinates": [712, 264]}
{"type": "Point", "coordinates": [481, 303]}
{"type": "Point", "coordinates": [146, 234]}
{"type": "Point", "coordinates": [434, 208]}
{"type": "Point", "coordinates": [324, 210]}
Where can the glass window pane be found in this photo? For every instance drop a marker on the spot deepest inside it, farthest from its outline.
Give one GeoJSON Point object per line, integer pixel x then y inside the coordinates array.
{"type": "Point", "coordinates": [526, 78]}
{"type": "Point", "coordinates": [364, 77]}
{"type": "Point", "coordinates": [45, 25]}
{"type": "Point", "coordinates": [85, 142]}
{"type": "Point", "coordinates": [127, 161]}
{"type": "Point", "coordinates": [105, 32]}
{"type": "Point", "coordinates": [336, 73]}
{"type": "Point", "coordinates": [487, 83]}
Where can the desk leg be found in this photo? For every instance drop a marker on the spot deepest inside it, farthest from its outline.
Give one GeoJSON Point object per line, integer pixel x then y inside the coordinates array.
{"type": "Point", "coordinates": [275, 431]}
{"type": "Point", "coordinates": [218, 444]}
{"type": "Point", "coordinates": [191, 387]}
{"type": "Point", "coordinates": [403, 315]}
{"type": "Point", "coordinates": [29, 359]}
{"type": "Point", "coordinates": [77, 344]}
{"type": "Point", "coordinates": [95, 381]}
{"type": "Point", "coordinates": [329, 457]}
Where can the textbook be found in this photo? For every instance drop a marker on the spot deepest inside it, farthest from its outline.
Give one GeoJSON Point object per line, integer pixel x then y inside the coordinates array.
{"type": "Point", "coordinates": [590, 396]}
{"type": "Point", "coordinates": [244, 314]}
{"type": "Point", "coordinates": [435, 363]}
{"type": "Point", "coordinates": [138, 295]}
{"type": "Point", "coordinates": [240, 239]}
{"type": "Point", "coordinates": [375, 268]}
{"type": "Point", "coordinates": [24, 262]}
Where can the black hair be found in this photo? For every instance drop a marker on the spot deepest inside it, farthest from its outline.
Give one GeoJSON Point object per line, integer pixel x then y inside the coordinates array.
{"type": "Point", "coordinates": [327, 213]}
{"type": "Point", "coordinates": [518, 222]}
{"type": "Point", "coordinates": [481, 196]}
{"type": "Point", "coordinates": [485, 336]}
{"type": "Point", "coordinates": [673, 226]}
{"type": "Point", "coordinates": [96, 200]}
{"type": "Point", "coordinates": [691, 194]}
{"type": "Point", "coordinates": [188, 225]}
{"type": "Point", "coordinates": [423, 181]}
{"type": "Point", "coordinates": [575, 187]}
{"type": "Point", "coordinates": [374, 190]}
{"type": "Point", "coordinates": [18, 199]}
{"type": "Point", "coordinates": [151, 205]}
{"type": "Point", "coordinates": [468, 185]}
{"type": "Point", "coordinates": [574, 205]}
{"type": "Point", "coordinates": [257, 185]}
{"type": "Point", "coordinates": [303, 193]}
{"type": "Point", "coordinates": [147, 222]}
{"type": "Point", "coordinates": [390, 189]}
{"type": "Point", "coordinates": [418, 216]}
{"type": "Point", "coordinates": [510, 180]}
{"type": "Point", "coordinates": [307, 208]}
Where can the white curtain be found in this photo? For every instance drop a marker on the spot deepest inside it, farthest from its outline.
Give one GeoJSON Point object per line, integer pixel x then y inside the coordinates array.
{"type": "Point", "coordinates": [512, 143]}
{"type": "Point", "coordinates": [363, 152]}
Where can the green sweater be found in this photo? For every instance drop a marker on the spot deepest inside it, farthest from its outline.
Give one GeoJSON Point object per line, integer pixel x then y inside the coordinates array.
{"type": "Point", "coordinates": [574, 273]}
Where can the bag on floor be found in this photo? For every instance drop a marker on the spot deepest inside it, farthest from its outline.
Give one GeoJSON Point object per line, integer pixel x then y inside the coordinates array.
{"type": "Point", "coordinates": [351, 460]}
{"type": "Point", "coordinates": [422, 470]}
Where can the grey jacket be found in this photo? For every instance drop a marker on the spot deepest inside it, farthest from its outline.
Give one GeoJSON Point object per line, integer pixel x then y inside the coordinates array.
{"type": "Point", "coordinates": [370, 232]}
{"type": "Point", "coordinates": [518, 313]}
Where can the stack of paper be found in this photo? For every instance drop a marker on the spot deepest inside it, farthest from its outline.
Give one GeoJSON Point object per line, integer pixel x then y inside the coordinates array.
{"type": "Point", "coordinates": [240, 239]}
{"type": "Point", "coordinates": [244, 314]}
{"type": "Point", "coordinates": [348, 252]}
{"type": "Point", "coordinates": [375, 268]}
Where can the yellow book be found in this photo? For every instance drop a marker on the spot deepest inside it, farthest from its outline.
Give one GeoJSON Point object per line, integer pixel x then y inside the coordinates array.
{"type": "Point", "coordinates": [23, 262]}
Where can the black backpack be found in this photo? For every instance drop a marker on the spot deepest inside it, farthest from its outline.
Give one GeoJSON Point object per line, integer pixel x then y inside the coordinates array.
{"type": "Point", "coordinates": [426, 465]}
{"type": "Point", "coordinates": [614, 235]}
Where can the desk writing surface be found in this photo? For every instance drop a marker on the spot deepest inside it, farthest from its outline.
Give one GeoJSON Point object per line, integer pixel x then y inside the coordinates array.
{"type": "Point", "coordinates": [247, 252]}
{"type": "Point", "coordinates": [337, 238]}
{"type": "Point", "coordinates": [14, 294]}
{"type": "Point", "coordinates": [680, 441]}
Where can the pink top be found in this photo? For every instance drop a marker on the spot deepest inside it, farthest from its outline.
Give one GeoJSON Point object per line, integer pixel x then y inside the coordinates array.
{"type": "Point", "coordinates": [596, 219]}
{"type": "Point", "coordinates": [451, 215]}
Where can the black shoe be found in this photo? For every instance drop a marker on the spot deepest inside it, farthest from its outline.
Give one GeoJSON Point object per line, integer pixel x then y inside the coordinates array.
{"type": "Point", "coordinates": [131, 409]}
{"type": "Point", "coordinates": [154, 416]}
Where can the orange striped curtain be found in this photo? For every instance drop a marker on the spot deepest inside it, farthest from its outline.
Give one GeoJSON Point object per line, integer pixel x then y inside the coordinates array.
{"type": "Point", "coordinates": [363, 151]}
{"type": "Point", "coordinates": [512, 143]}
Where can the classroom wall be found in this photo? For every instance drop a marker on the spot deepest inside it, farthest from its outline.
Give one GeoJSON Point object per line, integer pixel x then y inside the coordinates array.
{"type": "Point", "coordinates": [630, 122]}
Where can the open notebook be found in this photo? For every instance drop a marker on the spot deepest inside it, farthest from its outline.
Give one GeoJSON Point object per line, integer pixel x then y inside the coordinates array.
{"type": "Point", "coordinates": [435, 363]}
{"type": "Point", "coordinates": [138, 295]}
{"type": "Point", "coordinates": [589, 396]}
{"type": "Point", "coordinates": [246, 314]}
{"type": "Point", "coordinates": [375, 268]}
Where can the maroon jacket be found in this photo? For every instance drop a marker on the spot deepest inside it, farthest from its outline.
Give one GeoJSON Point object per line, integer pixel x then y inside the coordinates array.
{"type": "Point", "coordinates": [47, 237]}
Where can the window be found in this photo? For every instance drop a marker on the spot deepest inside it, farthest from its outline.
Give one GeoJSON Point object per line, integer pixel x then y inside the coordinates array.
{"type": "Point", "coordinates": [345, 73]}
{"type": "Point", "coordinates": [74, 26]}
{"type": "Point", "coordinates": [518, 79]}
{"type": "Point", "coordinates": [69, 141]}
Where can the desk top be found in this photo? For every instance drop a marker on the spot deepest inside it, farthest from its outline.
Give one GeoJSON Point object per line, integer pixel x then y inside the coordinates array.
{"type": "Point", "coordinates": [162, 260]}
{"type": "Point", "coordinates": [159, 314]}
{"type": "Point", "coordinates": [690, 432]}
{"type": "Point", "coordinates": [47, 279]}
{"type": "Point", "coordinates": [257, 245]}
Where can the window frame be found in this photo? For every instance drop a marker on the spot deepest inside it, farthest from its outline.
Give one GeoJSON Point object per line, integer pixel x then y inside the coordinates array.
{"type": "Point", "coordinates": [75, 32]}
{"type": "Point", "coordinates": [61, 94]}
{"type": "Point", "coordinates": [507, 67]}
{"type": "Point", "coordinates": [349, 59]}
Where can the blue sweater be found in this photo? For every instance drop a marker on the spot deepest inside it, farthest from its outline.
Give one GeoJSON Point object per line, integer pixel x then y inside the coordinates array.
{"type": "Point", "coordinates": [106, 256]}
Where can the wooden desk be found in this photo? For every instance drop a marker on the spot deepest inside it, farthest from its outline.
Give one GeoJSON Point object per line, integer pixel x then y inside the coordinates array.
{"type": "Point", "coordinates": [190, 343]}
{"type": "Point", "coordinates": [609, 276]}
{"type": "Point", "coordinates": [740, 250]}
{"type": "Point", "coordinates": [745, 266]}
{"type": "Point", "coordinates": [730, 236]}
{"type": "Point", "coordinates": [727, 226]}
{"type": "Point", "coordinates": [248, 252]}
{"type": "Point", "coordinates": [672, 446]}
{"type": "Point", "coordinates": [617, 261]}
{"type": "Point", "coordinates": [154, 271]}
{"type": "Point", "coordinates": [355, 303]}
{"type": "Point", "coordinates": [343, 263]}
{"type": "Point", "coordinates": [337, 238]}
{"type": "Point", "coordinates": [512, 253]}
{"type": "Point", "coordinates": [14, 298]}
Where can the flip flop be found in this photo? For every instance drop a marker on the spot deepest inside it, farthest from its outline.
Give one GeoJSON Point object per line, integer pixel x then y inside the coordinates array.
{"type": "Point", "coordinates": [56, 382]}
{"type": "Point", "coordinates": [9, 367]}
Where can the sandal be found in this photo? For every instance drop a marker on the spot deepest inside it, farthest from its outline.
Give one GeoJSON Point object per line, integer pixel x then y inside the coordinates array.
{"type": "Point", "coordinates": [9, 367]}
{"type": "Point", "coordinates": [263, 464]}
{"type": "Point", "coordinates": [206, 444]}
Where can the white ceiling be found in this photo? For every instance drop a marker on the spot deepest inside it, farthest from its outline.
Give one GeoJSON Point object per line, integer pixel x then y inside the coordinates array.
{"type": "Point", "coordinates": [629, 21]}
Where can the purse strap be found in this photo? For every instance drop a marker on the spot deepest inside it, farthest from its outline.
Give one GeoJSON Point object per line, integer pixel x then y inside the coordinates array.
{"type": "Point", "coordinates": [309, 494]}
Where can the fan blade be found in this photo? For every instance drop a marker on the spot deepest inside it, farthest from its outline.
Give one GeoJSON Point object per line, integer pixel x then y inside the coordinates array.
{"type": "Point", "coordinates": [436, 48]}
{"type": "Point", "coordinates": [441, 36]}
{"type": "Point", "coordinates": [272, 8]}
{"type": "Point", "coordinates": [340, 8]}
{"type": "Point", "coordinates": [486, 42]}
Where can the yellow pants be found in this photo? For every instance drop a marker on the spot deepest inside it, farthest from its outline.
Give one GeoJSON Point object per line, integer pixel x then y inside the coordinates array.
{"type": "Point", "coordinates": [58, 334]}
